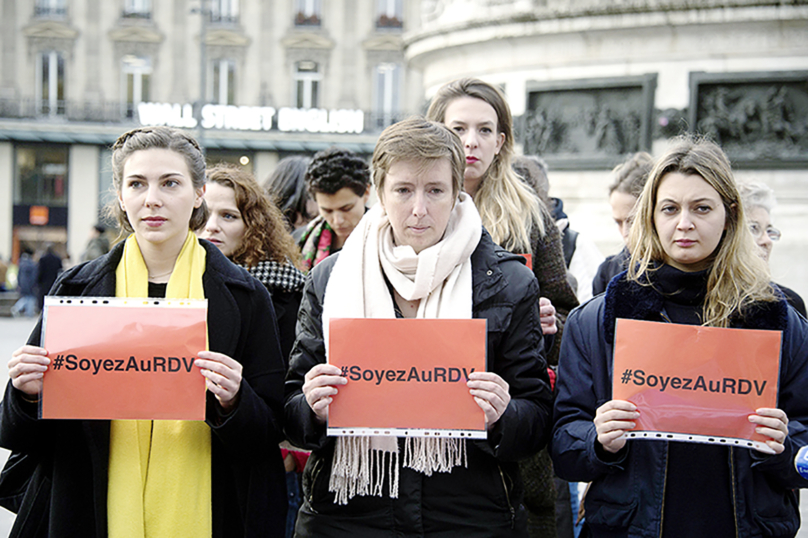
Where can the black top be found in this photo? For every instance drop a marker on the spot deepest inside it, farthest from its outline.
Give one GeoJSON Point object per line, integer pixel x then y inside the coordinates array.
{"type": "Point", "coordinates": [698, 493]}
{"type": "Point", "coordinates": [157, 291]}
{"type": "Point", "coordinates": [611, 266]}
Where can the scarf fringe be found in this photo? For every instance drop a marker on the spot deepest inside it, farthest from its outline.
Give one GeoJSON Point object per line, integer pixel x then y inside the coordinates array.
{"type": "Point", "coordinates": [360, 468]}
{"type": "Point", "coordinates": [431, 454]}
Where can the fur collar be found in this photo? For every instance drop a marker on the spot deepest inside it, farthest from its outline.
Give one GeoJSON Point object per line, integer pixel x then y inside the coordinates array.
{"type": "Point", "coordinates": [631, 300]}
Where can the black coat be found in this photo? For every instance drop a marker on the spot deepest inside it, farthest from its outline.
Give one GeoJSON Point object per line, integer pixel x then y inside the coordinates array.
{"type": "Point", "coordinates": [68, 493]}
{"type": "Point", "coordinates": [483, 499]}
{"type": "Point", "coordinates": [611, 267]}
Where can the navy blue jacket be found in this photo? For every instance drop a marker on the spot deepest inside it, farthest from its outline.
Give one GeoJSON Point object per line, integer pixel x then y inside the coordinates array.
{"type": "Point", "coordinates": [68, 492]}
{"type": "Point", "coordinates": [627, 494]}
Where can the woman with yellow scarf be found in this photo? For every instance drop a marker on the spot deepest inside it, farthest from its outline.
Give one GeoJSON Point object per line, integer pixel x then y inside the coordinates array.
{"type": "Point", "coordinates": [221, 477]}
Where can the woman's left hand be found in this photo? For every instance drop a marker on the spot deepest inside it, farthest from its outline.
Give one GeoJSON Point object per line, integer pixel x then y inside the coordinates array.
{"type": "Point", "coordinates": [772, 423]}
{"type": "Point", "coordinates": [547, 316]}
{"type": "Point", "coordinates": [491, 393]}
{"type": "Point", "coordinates": [222, 377]}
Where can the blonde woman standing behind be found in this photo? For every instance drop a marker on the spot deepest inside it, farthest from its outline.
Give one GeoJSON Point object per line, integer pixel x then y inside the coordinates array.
{"type": "Point", "coordinates": [511, 212]}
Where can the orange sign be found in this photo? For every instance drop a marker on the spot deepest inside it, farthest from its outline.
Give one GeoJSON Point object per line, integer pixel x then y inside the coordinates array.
{"type": "Point", "coordinates": [123, 358]}
{"type": "Point", "coordinates": [693, 383]}
{"type": "Point", "coordinates": [38, 215]}
{"type": "Point", "coordinates": [407, 377]}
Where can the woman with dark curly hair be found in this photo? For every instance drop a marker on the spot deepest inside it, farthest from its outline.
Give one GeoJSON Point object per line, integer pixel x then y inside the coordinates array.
{"type": "Point", "coordinates": [339, 181]}
{"type": "Point", "coordinates": [250, 230]}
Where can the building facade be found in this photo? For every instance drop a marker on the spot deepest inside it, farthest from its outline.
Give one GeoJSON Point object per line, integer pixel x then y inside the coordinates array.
{"type": "Point", "coordinates": [592, 81]}
{"type": "Point", "coordinates": [254, 80]}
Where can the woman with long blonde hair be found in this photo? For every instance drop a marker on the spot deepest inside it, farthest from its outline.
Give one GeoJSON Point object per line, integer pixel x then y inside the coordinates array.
{"type": "Point", "coordinates": [511, 212]}
{"type": "Point", "coordinates": [693, 262]}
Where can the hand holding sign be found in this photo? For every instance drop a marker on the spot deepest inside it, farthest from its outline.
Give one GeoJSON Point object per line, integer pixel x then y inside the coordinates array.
{"type": "Point", "coordinates": [26, 368]}
{"type": "Point", "coordinates": [490, 392]}
{"type": "Point", "coordinates": [612, 419]}
{"type": "Point", "coordinates": [319, 388]}
{"type": "Point", "coordinates": [771, 423]}
{"type": "Point", "coordinates": [222, 377]}
{"type": "Point", "coordinates": [547, 316]}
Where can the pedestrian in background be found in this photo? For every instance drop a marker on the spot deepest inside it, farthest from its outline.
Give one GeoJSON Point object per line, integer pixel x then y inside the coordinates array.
{"type": "Point", "coordinates": [693, 261]}
{"type": "Point", "coordinates": [48, 268]}
{"type": "Point", "coordinates": [135, 478]}
{"type": "Point", "coordinates": [97, 245]}
{"type": "Point", "coordinates": [26, 285]}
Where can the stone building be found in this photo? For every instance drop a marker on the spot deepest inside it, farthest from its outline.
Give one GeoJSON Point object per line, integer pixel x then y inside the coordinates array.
{"type": "Point", "coordinates": [255, 80]}
{"type": "Point", "coordinates": [591, 81]}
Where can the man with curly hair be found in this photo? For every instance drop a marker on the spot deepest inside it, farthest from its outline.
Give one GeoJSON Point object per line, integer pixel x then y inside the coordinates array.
{"type": "Point", "coordinates": [339, 181]}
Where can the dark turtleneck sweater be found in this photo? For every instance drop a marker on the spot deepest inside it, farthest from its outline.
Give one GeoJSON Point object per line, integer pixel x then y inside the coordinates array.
{"type": "Point", "coordinates": [698, 488]}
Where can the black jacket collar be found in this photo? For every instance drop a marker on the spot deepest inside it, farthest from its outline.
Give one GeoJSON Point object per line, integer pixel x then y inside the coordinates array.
{"type": "Point", "coordinates": [631, 300]}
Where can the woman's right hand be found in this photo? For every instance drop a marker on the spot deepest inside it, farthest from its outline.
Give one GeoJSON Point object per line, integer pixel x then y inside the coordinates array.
{"type": "Point", "coordinates": [27, 366]}
{"type": "Point", "coordinates": [320, 386]}
{"type": "Point", "coordinates": [612, 420]}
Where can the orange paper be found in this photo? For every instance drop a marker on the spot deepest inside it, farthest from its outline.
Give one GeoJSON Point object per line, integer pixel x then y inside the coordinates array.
{"type": "Point", "coordinates": [123, 358]}
{"type": "Point", "coordinates": [407, 377]}
{"type": "Point", "coordinates": [696, 383]}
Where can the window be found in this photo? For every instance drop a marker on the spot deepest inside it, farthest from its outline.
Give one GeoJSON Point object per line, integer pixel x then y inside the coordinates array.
{"type": "Point", "coordinates": [222, 86]}
{"type": "Point", "coordinates": [41, 175]}
{"type": "Point", "coordinates": [137, 78]}
{"type": "Point", "coordinates": [50, 83]}
{"type": "Point", "coordinates": [51, 8]}
{"type": "Point", "coordinates": [137, 9]}
{"type": "Point", "coordinates": [389, 14]}
{"type": "Point", "coordinates": [386, 84]}
{"type": "Point", "coordinates": [224, 11]}
{"type": "Point", "coordinates": [307, 12]}
{"type": "Point", "coordinates": [307, 84]}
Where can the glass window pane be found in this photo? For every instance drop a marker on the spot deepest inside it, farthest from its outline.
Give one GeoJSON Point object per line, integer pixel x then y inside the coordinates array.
{"type": "Point", "coordinates": [144, 89]}
{"type": "Point", "coordinates": [41, 177]}
{"type": "Point", "coordinates": [315, 99]}
{"type": "Point", "coordinates": [231, 83]}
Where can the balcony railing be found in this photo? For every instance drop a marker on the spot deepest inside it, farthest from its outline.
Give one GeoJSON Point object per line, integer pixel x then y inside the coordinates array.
{"type": "Point", "coordinates": [219, 18]}
{"type": "Point", "coordinates": [50, 12]}
{"type": "Point", "coordinates": [144, 15]}
{"type": "Point", "coordinates": [85, 111]}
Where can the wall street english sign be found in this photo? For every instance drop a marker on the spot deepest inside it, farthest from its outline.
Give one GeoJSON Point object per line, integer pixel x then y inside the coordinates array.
{"type": "Point", "coordinates": [253, 118]}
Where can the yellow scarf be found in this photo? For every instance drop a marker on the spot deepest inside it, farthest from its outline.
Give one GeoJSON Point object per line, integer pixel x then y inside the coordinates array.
{"type": "Point", "coordinates": [160, 471]}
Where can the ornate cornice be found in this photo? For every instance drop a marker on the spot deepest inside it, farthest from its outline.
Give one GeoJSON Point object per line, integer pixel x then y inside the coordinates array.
{"type": "Point", "coordinates": [384, 42]}
{"type": "Point", "coordinates": [226, 38]}
{"type": "Point", "coordinates": [50, 30]}
{"type": "Point", "coordinates": [138, 34]}
{"type": "Point", "coordinates": [306, 40]}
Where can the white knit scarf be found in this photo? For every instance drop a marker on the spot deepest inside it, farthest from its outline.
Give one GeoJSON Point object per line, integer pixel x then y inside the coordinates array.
{"type": "Point", "coordinates": [440, 277]}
